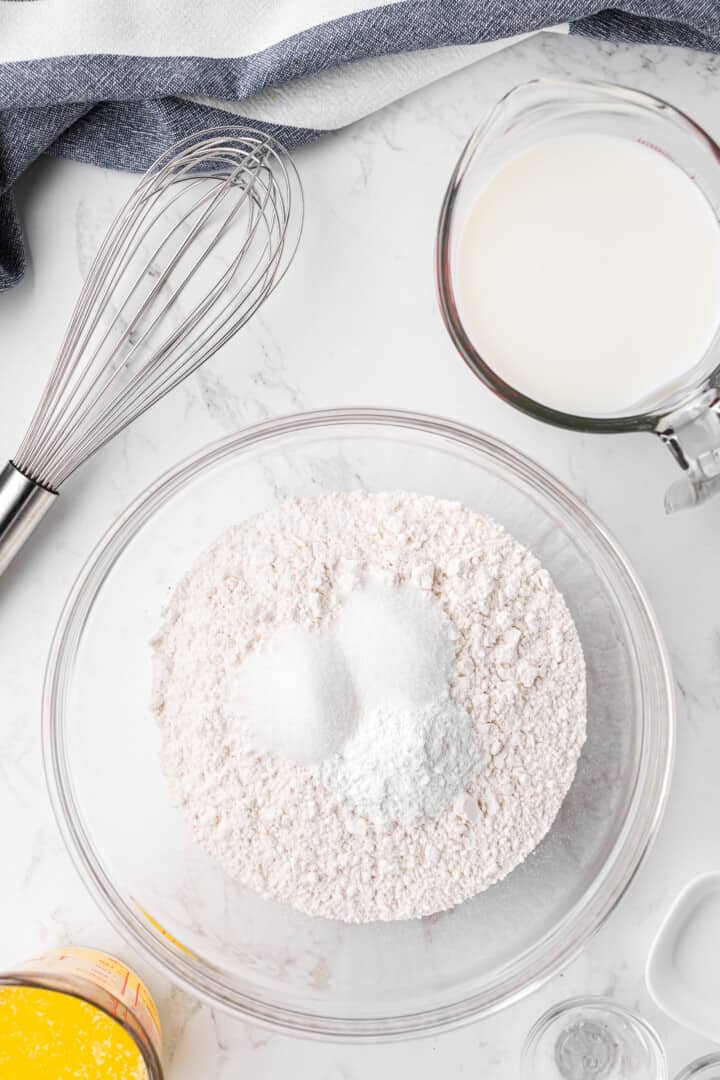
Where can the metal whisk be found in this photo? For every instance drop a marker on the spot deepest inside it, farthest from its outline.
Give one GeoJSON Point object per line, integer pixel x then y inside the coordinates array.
{"type": "Point", "coordinates": [205, 237]}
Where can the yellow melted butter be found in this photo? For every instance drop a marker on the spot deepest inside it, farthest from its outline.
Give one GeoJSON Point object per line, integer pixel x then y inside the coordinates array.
{"type": "Point", "coordinates": [45, 1035]}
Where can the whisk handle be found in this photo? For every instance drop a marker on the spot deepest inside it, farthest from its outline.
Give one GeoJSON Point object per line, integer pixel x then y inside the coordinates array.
{"type": "Point", "coordinates": [22, 504]}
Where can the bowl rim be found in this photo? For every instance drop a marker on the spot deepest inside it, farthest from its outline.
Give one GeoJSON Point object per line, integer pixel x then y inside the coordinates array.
{"type": "Point", "coordinates": [546, 956]}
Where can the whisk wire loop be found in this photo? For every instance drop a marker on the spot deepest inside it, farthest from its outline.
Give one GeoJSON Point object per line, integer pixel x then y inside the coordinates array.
{"type": "Point", "coordinates": [205, 237]}
{"type": "Point", "coordinates": [93, 392]}
{"type": "Point", "coordinates": [113, 416]}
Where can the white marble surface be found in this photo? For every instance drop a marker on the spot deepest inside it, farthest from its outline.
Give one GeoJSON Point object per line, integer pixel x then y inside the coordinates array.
{"type": "Point", "coordinates": [356, 324]}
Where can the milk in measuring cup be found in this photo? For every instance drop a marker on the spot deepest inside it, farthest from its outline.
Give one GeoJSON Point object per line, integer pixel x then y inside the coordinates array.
{"type": "Point", "coordinates": [588, 273]}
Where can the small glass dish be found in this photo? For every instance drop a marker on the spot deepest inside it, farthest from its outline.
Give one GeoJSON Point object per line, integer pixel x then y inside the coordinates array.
{"type": "Point", "coordinates": [589, 1038]}
{"type": "Point", "coordinates": [262, 960]}
{"type": "Point", "coordinates": [705, 1068]}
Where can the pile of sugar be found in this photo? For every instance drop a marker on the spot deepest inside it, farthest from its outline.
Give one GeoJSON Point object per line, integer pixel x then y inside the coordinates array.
{"type": "Point", "coordinates": [517, 673]}
{"type": "Point", "coordinates": [367, 701]}
{"type": "Point", "coordinates": [296, 696]}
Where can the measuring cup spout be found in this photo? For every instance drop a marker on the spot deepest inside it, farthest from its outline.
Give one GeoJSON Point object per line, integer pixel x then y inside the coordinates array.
{"type": "Point", "coordinates": [692, 434]}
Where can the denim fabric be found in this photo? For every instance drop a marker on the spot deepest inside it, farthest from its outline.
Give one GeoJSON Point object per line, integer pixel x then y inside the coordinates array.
{"type": "Point", "coordinates": [122, 111]}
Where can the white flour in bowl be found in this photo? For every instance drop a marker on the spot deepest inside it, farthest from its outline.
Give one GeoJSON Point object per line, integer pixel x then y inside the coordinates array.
{"type": "Point", "coordinates": [425, 705]}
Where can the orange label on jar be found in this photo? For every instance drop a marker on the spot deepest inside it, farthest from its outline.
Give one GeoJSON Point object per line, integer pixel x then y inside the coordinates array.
{"type": "Point", "coordinates": [108, 974]}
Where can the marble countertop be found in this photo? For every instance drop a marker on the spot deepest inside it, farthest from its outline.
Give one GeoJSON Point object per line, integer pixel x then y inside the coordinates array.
{"type": "Point", "coordinates": [357, 324]}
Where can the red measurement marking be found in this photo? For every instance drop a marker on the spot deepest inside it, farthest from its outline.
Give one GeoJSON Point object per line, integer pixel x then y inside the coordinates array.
{"type": "Point", "coordinates": [124, 985]}
{"type": "Point", "coordinates": [657, 149]}
{"type": "Point", "coordinates": [137, 994]}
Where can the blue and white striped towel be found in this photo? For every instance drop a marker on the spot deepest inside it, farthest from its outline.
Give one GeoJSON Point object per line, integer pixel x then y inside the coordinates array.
{"type": "Point", "coordinates": [116, 83]}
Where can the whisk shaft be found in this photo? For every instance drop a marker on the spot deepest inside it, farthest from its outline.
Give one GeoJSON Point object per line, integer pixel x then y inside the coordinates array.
{"type": "Point", "coordinates": [23, 504]}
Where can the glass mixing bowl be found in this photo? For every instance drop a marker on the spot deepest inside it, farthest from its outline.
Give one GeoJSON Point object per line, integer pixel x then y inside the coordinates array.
{"type": "Point", "coordinates": [260, 959]}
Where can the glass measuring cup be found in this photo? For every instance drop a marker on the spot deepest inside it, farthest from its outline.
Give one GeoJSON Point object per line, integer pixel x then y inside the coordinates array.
{"type": "Point", "coordinates": [686, 414]}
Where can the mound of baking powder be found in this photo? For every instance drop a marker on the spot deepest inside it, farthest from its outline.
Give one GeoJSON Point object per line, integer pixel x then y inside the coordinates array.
{"type": "Point", "coordinates": [367, 701]}
{"type": "Point", "coordinates": [324, 813]}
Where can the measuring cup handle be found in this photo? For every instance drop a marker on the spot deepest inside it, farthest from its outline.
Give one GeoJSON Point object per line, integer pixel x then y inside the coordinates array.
{"type": "Point", "coordinates": [692, 434]}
